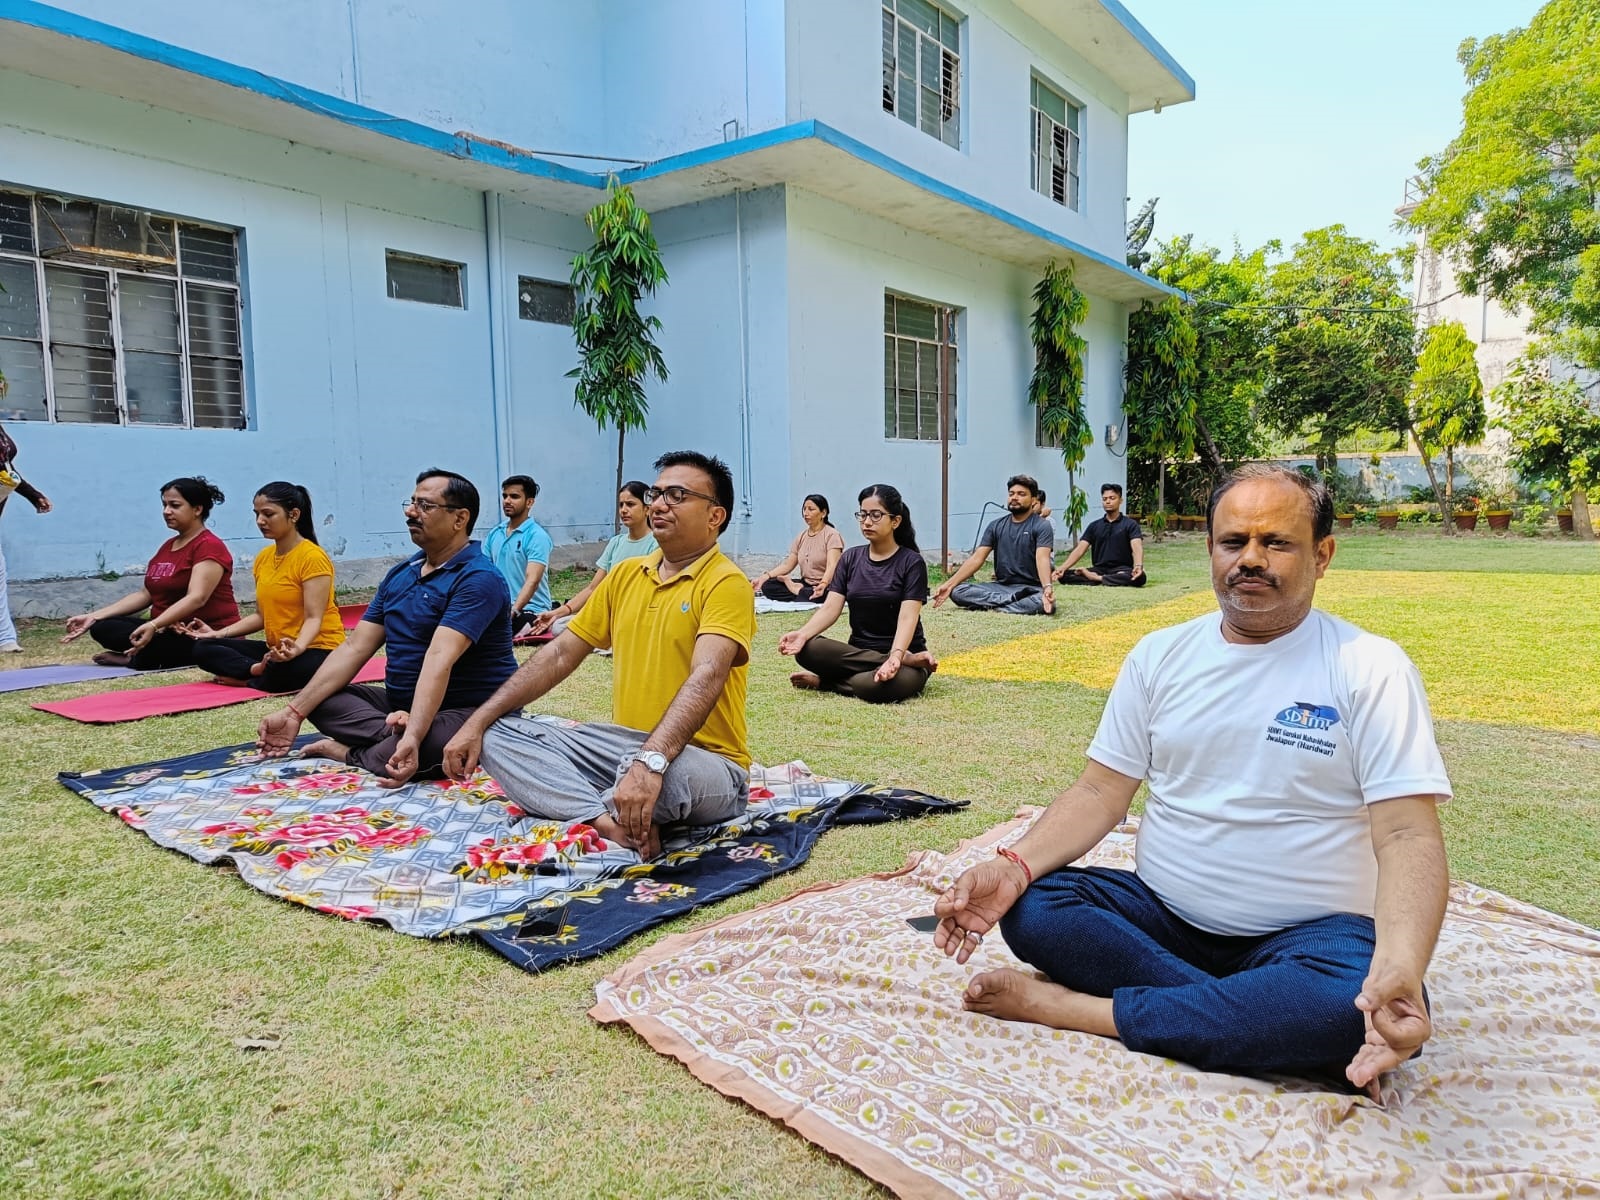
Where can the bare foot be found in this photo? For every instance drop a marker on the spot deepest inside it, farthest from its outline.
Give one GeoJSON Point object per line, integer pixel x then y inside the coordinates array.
{"type": "Point", "coordinates": [226, 682]}
{"type": "Point", "coordinates": [806, 680]}
{"type": "Point", "coordinates": [609, 828]}
{"type": "Point", "coordinates": [923, 659]}
{"type": "Point", "coordinates": [328, 748]}
{"type": "Point", "coordinates": [1014, 995]}
{"type": "Point", "coordinates": [110, 658]}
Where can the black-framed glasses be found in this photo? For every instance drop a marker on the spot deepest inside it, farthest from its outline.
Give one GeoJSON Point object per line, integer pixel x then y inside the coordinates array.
{"type": "Point", "coordinates": [675, 495]}
{"type": "Point", "coordinates": [424, 506]}
{"type": "Point", "coordinates": [870, 518]}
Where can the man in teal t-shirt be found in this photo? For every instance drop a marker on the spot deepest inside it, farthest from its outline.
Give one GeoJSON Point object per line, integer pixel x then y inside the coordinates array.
{"type": "Point", "coordinates": [520, 548]}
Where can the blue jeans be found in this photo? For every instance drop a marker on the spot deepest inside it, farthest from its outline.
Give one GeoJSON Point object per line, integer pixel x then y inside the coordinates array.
{"type": "Point", "coordinates": [1279, 1004]}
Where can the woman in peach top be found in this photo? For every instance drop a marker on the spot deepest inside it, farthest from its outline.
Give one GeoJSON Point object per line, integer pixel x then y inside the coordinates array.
{"type": "Point", "coordinates": [815, 552]}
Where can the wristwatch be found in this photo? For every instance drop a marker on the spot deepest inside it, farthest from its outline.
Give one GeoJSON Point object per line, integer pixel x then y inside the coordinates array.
{"type": "Point", "coordinates": [653, 760]}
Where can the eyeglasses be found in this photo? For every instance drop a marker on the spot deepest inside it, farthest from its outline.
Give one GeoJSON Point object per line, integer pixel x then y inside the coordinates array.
{"type": "Point", "coordinates": [424, 506]}
{"type": "Point", "coordinates": [869, 518]}
{"type": "Point", "coordinates": [675, 495]}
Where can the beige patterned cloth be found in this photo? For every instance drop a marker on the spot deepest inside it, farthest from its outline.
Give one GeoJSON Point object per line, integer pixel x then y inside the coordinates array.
{"type": "Point", "coordinates": [828, 1012]}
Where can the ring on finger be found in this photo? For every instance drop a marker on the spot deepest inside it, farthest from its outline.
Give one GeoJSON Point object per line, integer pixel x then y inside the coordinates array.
{"type": "Point", "coordinates": [975, 935]}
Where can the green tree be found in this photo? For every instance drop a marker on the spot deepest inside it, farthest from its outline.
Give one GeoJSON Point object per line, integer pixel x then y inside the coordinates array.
{"type": "Point", "coordinates": [1555, 435]}
{"type": "Point", "coordinates": [1159, 385]}
{"type": "Point", "coordinates": [1339, 352]}
{"type": "Point", "coordinates": [616, 343]}
{"type": "Point", "coordinates": [1512, 201]}
{"type": "Point", "coordinates": [1056, 388]}
{"type": "Point", "coordinates": [1228, 296]}
{"type": "Point", "coordinates": [1446, 404]}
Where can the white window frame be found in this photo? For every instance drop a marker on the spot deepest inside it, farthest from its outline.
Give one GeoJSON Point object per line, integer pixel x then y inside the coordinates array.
{"type": "Point", "coordinates": [897, 29]}
{"type": "Point", "coordinates": [1047, 154]}
{"type": "Point", "coordinates": [119, 357]}
{"type": "Point", "coordinates": [949, 317]}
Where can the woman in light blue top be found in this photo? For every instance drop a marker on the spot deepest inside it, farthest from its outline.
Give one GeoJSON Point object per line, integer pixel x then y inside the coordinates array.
{"type": "Point", "coordinates": [634, 541]}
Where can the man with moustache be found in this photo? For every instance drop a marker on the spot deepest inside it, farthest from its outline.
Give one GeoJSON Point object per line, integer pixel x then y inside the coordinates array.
{"type": "Point", "coordinates": [444, 618]}
{"type": "Point", "coordinates": [679, 623]}
{"type": "Point", "coordinates": [1024, 545]}
{"type": "Point", "coordinates": [1290, 878]}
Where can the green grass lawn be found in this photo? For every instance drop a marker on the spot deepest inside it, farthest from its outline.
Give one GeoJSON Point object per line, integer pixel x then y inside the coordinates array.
{"type": "Point", "coordinates": [420, 1069]}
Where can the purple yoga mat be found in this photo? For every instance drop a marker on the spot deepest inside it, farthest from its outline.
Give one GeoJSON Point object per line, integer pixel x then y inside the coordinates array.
{"type": "Point", "coordinates": [20, 679]}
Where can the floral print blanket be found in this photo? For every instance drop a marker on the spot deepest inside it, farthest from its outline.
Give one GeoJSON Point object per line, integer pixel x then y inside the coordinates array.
{"type": "Point", "coordinates": [438, 859]}
{"type": "Point", "coordinates": [828, 1012]}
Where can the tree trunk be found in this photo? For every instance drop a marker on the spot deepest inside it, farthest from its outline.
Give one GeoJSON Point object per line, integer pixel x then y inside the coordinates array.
{"type": "Point", "coordinates": [1208, 450]}
{"type": "Point", "coordinates": [1161, 485]}
{"type": "Point", "coordinates": [1582, 526]}
{"type": "Point", "coordinates": [1439, 496]}
{"type": "Point", "coordinates": [616, 517]}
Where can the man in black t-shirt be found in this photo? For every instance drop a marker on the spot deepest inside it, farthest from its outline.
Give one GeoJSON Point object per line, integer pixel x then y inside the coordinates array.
{"type": "Point", "coordinates": [1023, 544]}
{"type": "Point", "coordinates": [1116, 544]}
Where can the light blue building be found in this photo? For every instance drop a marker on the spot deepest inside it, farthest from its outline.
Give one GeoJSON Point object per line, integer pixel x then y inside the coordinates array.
{"type": "Point", "coordinates": [328, 240]}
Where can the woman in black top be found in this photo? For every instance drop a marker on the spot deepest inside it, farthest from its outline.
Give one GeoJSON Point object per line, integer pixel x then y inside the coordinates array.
{"type": "Point", "coordinates": [885, 583]}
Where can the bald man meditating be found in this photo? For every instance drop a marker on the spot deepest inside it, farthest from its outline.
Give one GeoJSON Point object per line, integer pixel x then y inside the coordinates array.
{"type": "Point", "coordinates": [1291, 876]}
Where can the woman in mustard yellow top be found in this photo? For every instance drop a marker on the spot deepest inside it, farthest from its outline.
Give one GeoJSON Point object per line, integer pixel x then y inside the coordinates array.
{"type": "Point", "coordinates": [294, 603]}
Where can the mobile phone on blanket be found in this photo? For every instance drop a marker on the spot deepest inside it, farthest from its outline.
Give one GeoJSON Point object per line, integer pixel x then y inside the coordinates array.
{"type": "Point", "coordinates": [543, 922]}
{"type": "Point", "coordinates": [925, 924]}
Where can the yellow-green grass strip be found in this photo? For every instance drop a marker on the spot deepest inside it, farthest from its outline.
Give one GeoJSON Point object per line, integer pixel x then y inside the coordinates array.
{"type": "Point", "coordinates": [1504, 648]}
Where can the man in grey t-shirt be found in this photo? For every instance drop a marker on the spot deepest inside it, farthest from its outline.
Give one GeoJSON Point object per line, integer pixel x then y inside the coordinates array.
{"type": "Point", "coordinates": [1023, 545]}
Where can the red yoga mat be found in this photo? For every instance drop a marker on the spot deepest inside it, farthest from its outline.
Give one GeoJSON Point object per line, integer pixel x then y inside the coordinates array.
{"type": "Point", "coordinates": [135, 704]}
{"type": "Point", "coordinates": [351, 614]}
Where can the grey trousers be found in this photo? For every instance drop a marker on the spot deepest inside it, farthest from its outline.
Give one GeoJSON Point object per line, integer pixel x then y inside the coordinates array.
{"type": "Point", "coordinates": [849, 669]}
{"type": "Point", "coordinates": [356, 716]}
{"type": "Point", "coordinates": [568, 773]}
{"type": "Point", "coordinates": [1024, 599]}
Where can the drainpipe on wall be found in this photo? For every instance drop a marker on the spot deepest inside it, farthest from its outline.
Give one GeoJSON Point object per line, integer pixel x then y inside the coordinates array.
{"type": "Point", "coordinates": [505, 448]}
{"type": "Point", "coordinates": [744, 362]}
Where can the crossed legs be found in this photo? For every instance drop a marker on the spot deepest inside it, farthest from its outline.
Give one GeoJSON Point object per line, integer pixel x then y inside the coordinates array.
{"type": "Point", "coordinates": [1121, 964]}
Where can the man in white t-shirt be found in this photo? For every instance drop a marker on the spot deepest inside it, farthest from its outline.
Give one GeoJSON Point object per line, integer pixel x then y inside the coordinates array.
{"type": "Point", "coordinates": [1290, 874]}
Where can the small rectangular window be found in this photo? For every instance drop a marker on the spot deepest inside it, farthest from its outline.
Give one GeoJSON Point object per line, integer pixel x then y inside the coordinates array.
{"type": "Point", "coordinates": [919, 343]}
{"type": "Point", "coordinates": [546, 300]}
{"type": "Point", "coordinates": [425, 280]}
{"type": "Point", "coordinates": [1056, 134]}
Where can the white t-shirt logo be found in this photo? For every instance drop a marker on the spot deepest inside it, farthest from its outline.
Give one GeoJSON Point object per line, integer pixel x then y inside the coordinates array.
{"type": "Point", "coordinates": [1299, 724]}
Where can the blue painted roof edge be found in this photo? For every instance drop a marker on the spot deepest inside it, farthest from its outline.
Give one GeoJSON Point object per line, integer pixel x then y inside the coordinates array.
{"type": "Point", "coordinates": [55, 20]}
{"type": "Point", "coordinates": [1146, 39]}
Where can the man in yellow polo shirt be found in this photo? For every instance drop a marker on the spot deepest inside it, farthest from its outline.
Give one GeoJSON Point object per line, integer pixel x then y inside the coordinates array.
{"type": "Point", "coordinates": [679, 623]}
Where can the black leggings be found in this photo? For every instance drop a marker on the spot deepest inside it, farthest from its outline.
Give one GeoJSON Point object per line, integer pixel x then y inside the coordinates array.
{"type": "Point", "coordinates": [777, 589]}
{"type": "Point", "coordinates": [232, 658]}
{"type": "Point", "coordinates": [165, 649]}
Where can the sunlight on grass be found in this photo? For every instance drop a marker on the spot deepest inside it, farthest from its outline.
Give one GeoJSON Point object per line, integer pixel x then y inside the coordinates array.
{"type": "Point", "coordinates": [1491, 647]}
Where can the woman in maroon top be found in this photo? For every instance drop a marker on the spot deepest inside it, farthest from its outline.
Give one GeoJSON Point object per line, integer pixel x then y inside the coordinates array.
{"type": "Point", "coordinates": [191, 576]}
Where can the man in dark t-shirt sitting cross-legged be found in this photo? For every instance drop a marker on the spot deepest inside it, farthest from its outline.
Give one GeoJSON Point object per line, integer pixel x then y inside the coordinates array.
{"type": "Point", "coordinates": [1023, 544]}
{"type": "Point", "coordinates": [1114, 541]}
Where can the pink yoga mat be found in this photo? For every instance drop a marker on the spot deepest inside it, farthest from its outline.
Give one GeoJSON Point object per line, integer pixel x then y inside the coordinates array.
{"type": "Point", "coordinates": [110, 708]}
{"type": "Point", "coordinates": [351, 614]}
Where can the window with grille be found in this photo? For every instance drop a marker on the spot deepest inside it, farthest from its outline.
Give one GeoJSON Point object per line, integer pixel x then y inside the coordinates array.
{"type": "Point", "coordinates": [117, 316]}
{"type": "Point", "coordinates": [424, 280]}
{"type": "Point", "coordinates": [919, 340]}
{"type": "Point", "coordinates": [922, 68]}
{"type": "Point", "coordinates": [1057, 135]}
{"type": "Point", "coordinates": [546, 300]}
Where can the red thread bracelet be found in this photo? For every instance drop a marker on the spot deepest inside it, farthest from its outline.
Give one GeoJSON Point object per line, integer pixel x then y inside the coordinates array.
{"type": "Point", "coordinates": [300, 716]}
{"type": "Point", "coordinates": [1009, 853]}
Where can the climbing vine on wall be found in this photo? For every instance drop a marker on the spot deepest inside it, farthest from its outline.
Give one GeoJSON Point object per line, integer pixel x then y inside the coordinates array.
{"type": "Point", "coordinates": [1056, 388]}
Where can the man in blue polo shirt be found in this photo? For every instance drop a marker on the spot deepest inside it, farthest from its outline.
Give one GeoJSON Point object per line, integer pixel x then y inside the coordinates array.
{"type": "Point", "coordinates": [445, 618]}
{"type": "Point", "coordinates": [520, 549]}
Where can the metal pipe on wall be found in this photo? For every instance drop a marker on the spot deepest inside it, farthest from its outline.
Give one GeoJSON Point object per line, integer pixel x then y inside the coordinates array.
{"type": "Point", "coordinates": [505, 446]}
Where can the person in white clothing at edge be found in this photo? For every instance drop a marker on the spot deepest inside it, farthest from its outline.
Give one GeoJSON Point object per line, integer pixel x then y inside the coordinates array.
{"type": "Point", "coordinates": [1290, 875]}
